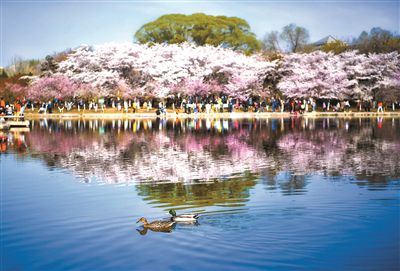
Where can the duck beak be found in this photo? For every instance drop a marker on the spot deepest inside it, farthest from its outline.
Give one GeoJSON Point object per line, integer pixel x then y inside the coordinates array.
{"type": "Point", "coordinates": [138, 221]}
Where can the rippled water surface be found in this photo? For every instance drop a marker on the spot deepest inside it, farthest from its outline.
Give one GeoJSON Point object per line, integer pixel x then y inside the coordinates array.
{"type": "Point", "coordinates": [275, 194]}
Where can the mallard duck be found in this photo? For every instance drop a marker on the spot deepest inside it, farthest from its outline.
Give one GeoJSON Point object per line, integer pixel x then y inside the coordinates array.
{"type": "Point", "coordinates": [157, 225]}
{"type": "Point", "coordinates": [183, 217]}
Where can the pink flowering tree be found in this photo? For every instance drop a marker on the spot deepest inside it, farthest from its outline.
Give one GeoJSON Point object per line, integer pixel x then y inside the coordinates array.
{"type": "Point", "coordinates": [17, 90]}
{"type": "Point", "coordinates": [59, 87]}
{"type": "Point", "coordinates": [133, 70]}
{"type": "Point", "coordinates": [349, 75]}
{"type": "Point", "coordinates": [164, 70]}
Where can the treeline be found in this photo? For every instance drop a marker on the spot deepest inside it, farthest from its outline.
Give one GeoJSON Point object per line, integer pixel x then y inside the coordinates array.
{"type": "Point", "coordinates": [227, 32]}
{"type": "Point", "coordinates": [130, 71]}
{"type": "Point", "coordinates": [295, 39]}
{"type": "Point", "coordinates": [235, 33]}
{"type": "Point", "coordinates": [17, 73]}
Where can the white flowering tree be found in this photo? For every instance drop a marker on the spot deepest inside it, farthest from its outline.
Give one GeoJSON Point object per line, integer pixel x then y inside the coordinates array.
{"type": "Point", "coordinates": [345, 76]}
{"type": "Point", "coordinates": [163, 70]}
{"type": "Point", "coordinates": [318, 75]}
{"type": "Point", "coordinates": [132, 70]}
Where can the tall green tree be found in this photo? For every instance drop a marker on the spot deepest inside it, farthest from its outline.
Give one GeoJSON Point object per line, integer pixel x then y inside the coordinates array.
{"type": "Point", "coordinates": [201, 29]}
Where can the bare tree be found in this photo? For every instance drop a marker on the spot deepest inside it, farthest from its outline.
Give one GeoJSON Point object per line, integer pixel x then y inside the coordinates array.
{"type": "Point", "coordinates": [271, 42]}
{"type": "Point", "coordinates": [16, 65]}
{"type": "Point", "coordinates": [295, 36]}
{"type": "Point", "coordinates": [21, 66]}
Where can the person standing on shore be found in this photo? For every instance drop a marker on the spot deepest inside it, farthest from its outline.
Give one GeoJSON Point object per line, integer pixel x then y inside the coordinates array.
{"type": "Point", "coordinates": [380, 107]}
{"type": "Point", "coordinates": [50, 107]}
{"type": "Point", "coordinates": [367, 106]}
{"type": "Point", "coordinates": [292, 106]}
{"type": "Point", "coordinates": [101, 103]}
{"type": "Point", "coordinates": [313, 104]}
{"type": "Point", "coordinates": [2, 103]}
{"type": "Point", "coordinates": [17, 106]}
{"type": "Point", "coordinates": [134, 106]}
{"type": "Point", "coordinates": [347, 105]}
{"type": "Point", "coordinates": [338, 106]}
{"type": "Point", "coordinates": [359, 105]}
{"type": "Point", "coordinates": [126, 108]}
{"type": "Point", "coordinates": [22, 110]}
{"type": "Point", "coordinates": [60, 107]}
{"type": "Point", "coordinates": [220, 105]}
{"type": "Point", "coordinates": [119, 107]}
{"type": "Point", "coordinates": [208, 107]}
{"type": "Point", "coordinates": [138, 104]}
{"type": "Point", "coordinates": [43, 108]}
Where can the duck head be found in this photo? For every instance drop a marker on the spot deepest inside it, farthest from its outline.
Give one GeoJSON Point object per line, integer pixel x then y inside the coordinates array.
{"type": "Point", "coordinates": [172, 212]}
{"type": "Point", "coordinates": [143, 220]}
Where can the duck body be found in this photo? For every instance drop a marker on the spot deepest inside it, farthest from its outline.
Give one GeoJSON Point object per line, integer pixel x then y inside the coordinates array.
{"type": "Point", "coordinates": [186, 218]}
{"type": "Point", "coordinates": [158, 225]}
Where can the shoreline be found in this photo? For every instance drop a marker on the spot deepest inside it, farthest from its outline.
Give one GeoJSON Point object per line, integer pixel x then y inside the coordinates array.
{"type": "Point", "coordinates": [225, 115]}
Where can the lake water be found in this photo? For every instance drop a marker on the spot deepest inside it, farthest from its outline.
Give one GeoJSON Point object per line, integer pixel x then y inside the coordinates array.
{"type": "Point", "coordinates": [275, 194]}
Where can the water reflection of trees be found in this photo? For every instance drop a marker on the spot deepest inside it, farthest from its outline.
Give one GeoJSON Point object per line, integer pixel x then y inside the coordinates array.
{"type": "Point", "coordinates": [226, 193]}
{"type": "Point", "coordinates": [124, 151]}
{"type": "Point", "coordinates": [359, 149]}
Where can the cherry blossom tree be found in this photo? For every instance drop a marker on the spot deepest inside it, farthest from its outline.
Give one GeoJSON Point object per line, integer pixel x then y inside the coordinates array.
{"type": "Point", "coordinates": [59, 87]}
{"type": "Point", "coordinates": [319, 75]}
{"type": "Point", "coordinates": [163, 70]}
{"type": "Point", "coordinates": [349, 75]}
{"type": "Point", "coordinates": [17, 90]}
{"type": "Point", "coordinates": [128, 70]}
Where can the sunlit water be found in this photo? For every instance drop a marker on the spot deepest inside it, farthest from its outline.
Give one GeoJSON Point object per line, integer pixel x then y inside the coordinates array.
{"type": "Point", "coordinates": [275, 194]}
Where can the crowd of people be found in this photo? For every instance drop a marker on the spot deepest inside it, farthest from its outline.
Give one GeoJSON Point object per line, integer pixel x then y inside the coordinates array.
{"type": "Point", "coordinates": [212, 104]}
{"type": "Point", "coordinates": [12, 109]}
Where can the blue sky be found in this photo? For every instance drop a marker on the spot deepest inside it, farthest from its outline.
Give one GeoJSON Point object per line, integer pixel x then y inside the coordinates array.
{"type": "Point", "coordinates": [33, 29]}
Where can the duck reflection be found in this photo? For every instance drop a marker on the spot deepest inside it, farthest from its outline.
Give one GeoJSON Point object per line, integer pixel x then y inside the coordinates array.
{"type": "Point", "coordinates": [143, 230]}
